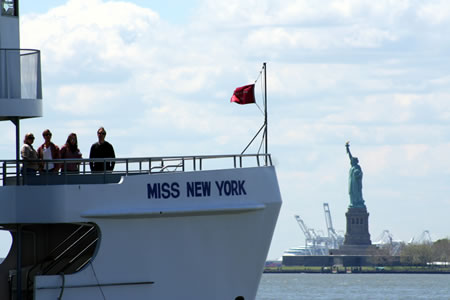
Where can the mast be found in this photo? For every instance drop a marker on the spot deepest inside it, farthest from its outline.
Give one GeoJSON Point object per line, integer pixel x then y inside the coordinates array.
{"type": "Point", "coordinates": [266, 146]}
{"type": "Point", "coordinates": [264, 126]}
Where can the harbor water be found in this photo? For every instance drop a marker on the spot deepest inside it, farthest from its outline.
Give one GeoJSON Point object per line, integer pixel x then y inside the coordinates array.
{"type": "Point", "coordinates": [354, 286]}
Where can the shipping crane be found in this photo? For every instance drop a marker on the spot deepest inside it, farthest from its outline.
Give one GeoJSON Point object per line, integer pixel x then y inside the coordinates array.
{"type": "Point", "coordinates": [316, 244]}
{"type": "Point", "coordinates": [335, 240]}
{"type": "Point", "coordinates": [385, 240]}
{"type": "Point", "coordinates": [425, 238]}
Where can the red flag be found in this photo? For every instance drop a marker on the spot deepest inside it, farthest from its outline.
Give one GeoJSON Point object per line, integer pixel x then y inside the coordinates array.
{"type": "Point", "coordinates": [244, 94]}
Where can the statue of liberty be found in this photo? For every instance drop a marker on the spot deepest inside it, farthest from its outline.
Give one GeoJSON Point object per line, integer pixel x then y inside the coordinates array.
{"type": "Point", "coordinates": [355, 181]}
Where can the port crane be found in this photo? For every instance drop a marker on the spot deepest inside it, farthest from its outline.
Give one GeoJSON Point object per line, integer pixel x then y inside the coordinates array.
{"type": "Point", "coordinates": [319, 244]}
{"type": "Point", "coordinates": [386, 240]}
{"type": "Point", "coordinates": [315, 243]}
{"type": "Point", "coordinates": [335, 240]}
{"type": "Point", "coordinates": [425, 238]}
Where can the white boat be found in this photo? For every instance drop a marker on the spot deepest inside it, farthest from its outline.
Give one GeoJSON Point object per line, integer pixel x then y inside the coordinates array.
{"type": "Point", "coordinates": [154, 228]}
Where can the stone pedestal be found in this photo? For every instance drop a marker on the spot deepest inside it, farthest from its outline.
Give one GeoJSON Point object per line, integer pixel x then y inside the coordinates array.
{"type": "Point", "coordinates": [357, 227]}
{"type": "Point", "coordinates": [357, 237]}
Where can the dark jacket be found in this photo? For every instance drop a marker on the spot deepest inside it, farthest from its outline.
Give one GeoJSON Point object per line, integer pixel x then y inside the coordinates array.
{"type": "Point", "coordinates": [104, 150]}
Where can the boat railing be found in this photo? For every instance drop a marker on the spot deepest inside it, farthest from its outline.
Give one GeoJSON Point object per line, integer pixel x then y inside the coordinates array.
{"type": "Point", "coordinates": [78, 171]}
{"type": "Point", "coordinates": [20, 74]}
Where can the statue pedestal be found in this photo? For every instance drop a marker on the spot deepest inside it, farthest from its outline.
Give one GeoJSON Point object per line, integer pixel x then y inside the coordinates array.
{"type": "Point", "coordinates": [357, 226]}
{"type": "Point", "coordinates": [357, 237]}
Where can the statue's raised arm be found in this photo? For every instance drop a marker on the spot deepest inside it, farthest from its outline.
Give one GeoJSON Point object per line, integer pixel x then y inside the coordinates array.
{"type": "Point", "coordinates": [347, 146]}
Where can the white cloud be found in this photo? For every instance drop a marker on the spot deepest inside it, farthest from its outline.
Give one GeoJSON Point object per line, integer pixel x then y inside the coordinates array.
{"type": "Point", "coordinates": [368, 37]}
{"type": "Point", "coordinates": [372, 72]}
{"type": "Point", "coordinates": [271, 12]}
{"type": "Point", "coordinates": [85, 99]}
{"type": "Point", "coordinates": [435, 12]}
{"type": "Point", "coordinates": [90, 32]}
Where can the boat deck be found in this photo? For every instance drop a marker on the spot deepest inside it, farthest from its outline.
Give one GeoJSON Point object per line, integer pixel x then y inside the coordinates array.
{"type": "Point", "coordinates": [10, 173]}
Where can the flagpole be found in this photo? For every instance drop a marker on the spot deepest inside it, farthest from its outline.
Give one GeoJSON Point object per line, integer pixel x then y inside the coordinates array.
{"type": "Point", "coordinates": [265, 112]}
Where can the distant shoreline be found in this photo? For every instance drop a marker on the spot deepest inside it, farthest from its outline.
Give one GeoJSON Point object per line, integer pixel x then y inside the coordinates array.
{"type": "Point", "coordinates": [357, 270]}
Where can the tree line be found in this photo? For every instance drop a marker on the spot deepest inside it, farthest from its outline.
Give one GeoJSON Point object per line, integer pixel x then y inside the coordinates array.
{"type": "Point", "coordinates": [423, 254]}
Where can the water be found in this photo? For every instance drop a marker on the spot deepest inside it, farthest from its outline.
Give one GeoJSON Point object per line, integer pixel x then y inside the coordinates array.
{"type": "Point", "coordinates": [354, 286]}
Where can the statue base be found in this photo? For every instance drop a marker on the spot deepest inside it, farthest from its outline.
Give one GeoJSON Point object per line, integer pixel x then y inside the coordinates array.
{"type": "Point", "coordinates": [357, 226]}
{"type": "Point", "coordinates": [357, 237]}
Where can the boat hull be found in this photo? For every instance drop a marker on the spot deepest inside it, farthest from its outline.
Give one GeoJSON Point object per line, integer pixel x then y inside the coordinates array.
{"type": "Point", "coordinates": [186, 235]}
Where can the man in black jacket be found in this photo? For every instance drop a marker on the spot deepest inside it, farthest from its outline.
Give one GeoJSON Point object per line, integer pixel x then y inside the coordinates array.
{"type": "Point", "coordinates": [102, 149]}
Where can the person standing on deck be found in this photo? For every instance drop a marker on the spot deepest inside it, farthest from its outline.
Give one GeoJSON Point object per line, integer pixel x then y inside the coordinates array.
{"type": "Point", "coordinates": [70, 150]}
{"type": "Point", "coordinates": [28, 153]}
{"type": "Point", "coordinates": [48, 151]}
{"type": "Point", "coordinates": [101, 149]}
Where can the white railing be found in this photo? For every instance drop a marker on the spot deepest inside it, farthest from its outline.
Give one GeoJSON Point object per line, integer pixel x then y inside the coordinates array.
{"type": "Point", "coordinates": [14, 172]}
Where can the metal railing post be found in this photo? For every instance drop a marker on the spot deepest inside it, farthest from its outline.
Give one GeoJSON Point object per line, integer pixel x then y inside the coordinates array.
{"type": "Point", "coordinates": [149, 165]}
{"type": "Point", "coordinates": [4, 173]}
{"type": "Point", "coordinates": [46, 172]}
{"type": "Point", "coordinates": [24, 172]}
{"type": "Point", "coordinates": [65, 171]}
{"type": "Point", "coordinates": [104, 170]}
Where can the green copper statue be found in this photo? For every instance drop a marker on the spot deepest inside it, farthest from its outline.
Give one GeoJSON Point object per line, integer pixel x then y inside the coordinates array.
{"type": "Point", "coordinates": [355, 181]}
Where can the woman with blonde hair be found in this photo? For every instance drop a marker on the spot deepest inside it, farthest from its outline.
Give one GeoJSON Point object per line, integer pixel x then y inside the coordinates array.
{"type": "Point", "coordinates": [70, 150]}
{"type": "Point", "coordinates": [28, 153]}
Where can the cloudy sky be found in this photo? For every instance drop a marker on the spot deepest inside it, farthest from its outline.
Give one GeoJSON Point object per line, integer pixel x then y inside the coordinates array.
{"type": "Point", "coordinates": [159, 75]}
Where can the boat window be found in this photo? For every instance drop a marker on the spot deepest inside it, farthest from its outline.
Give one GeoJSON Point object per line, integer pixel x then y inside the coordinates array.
{"type": "Point", "coordinates": [5, 244]}
{"type": "Point", "coordinates": [9, 8]}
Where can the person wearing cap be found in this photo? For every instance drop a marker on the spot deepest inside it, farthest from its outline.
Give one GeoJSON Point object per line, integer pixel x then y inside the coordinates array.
{"type": "Point", "coordinates": [49, 151]}
{"type": "Point", "coordinates": [29, 154]}
{"type": "Point", "coordinates": [101, 149]}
